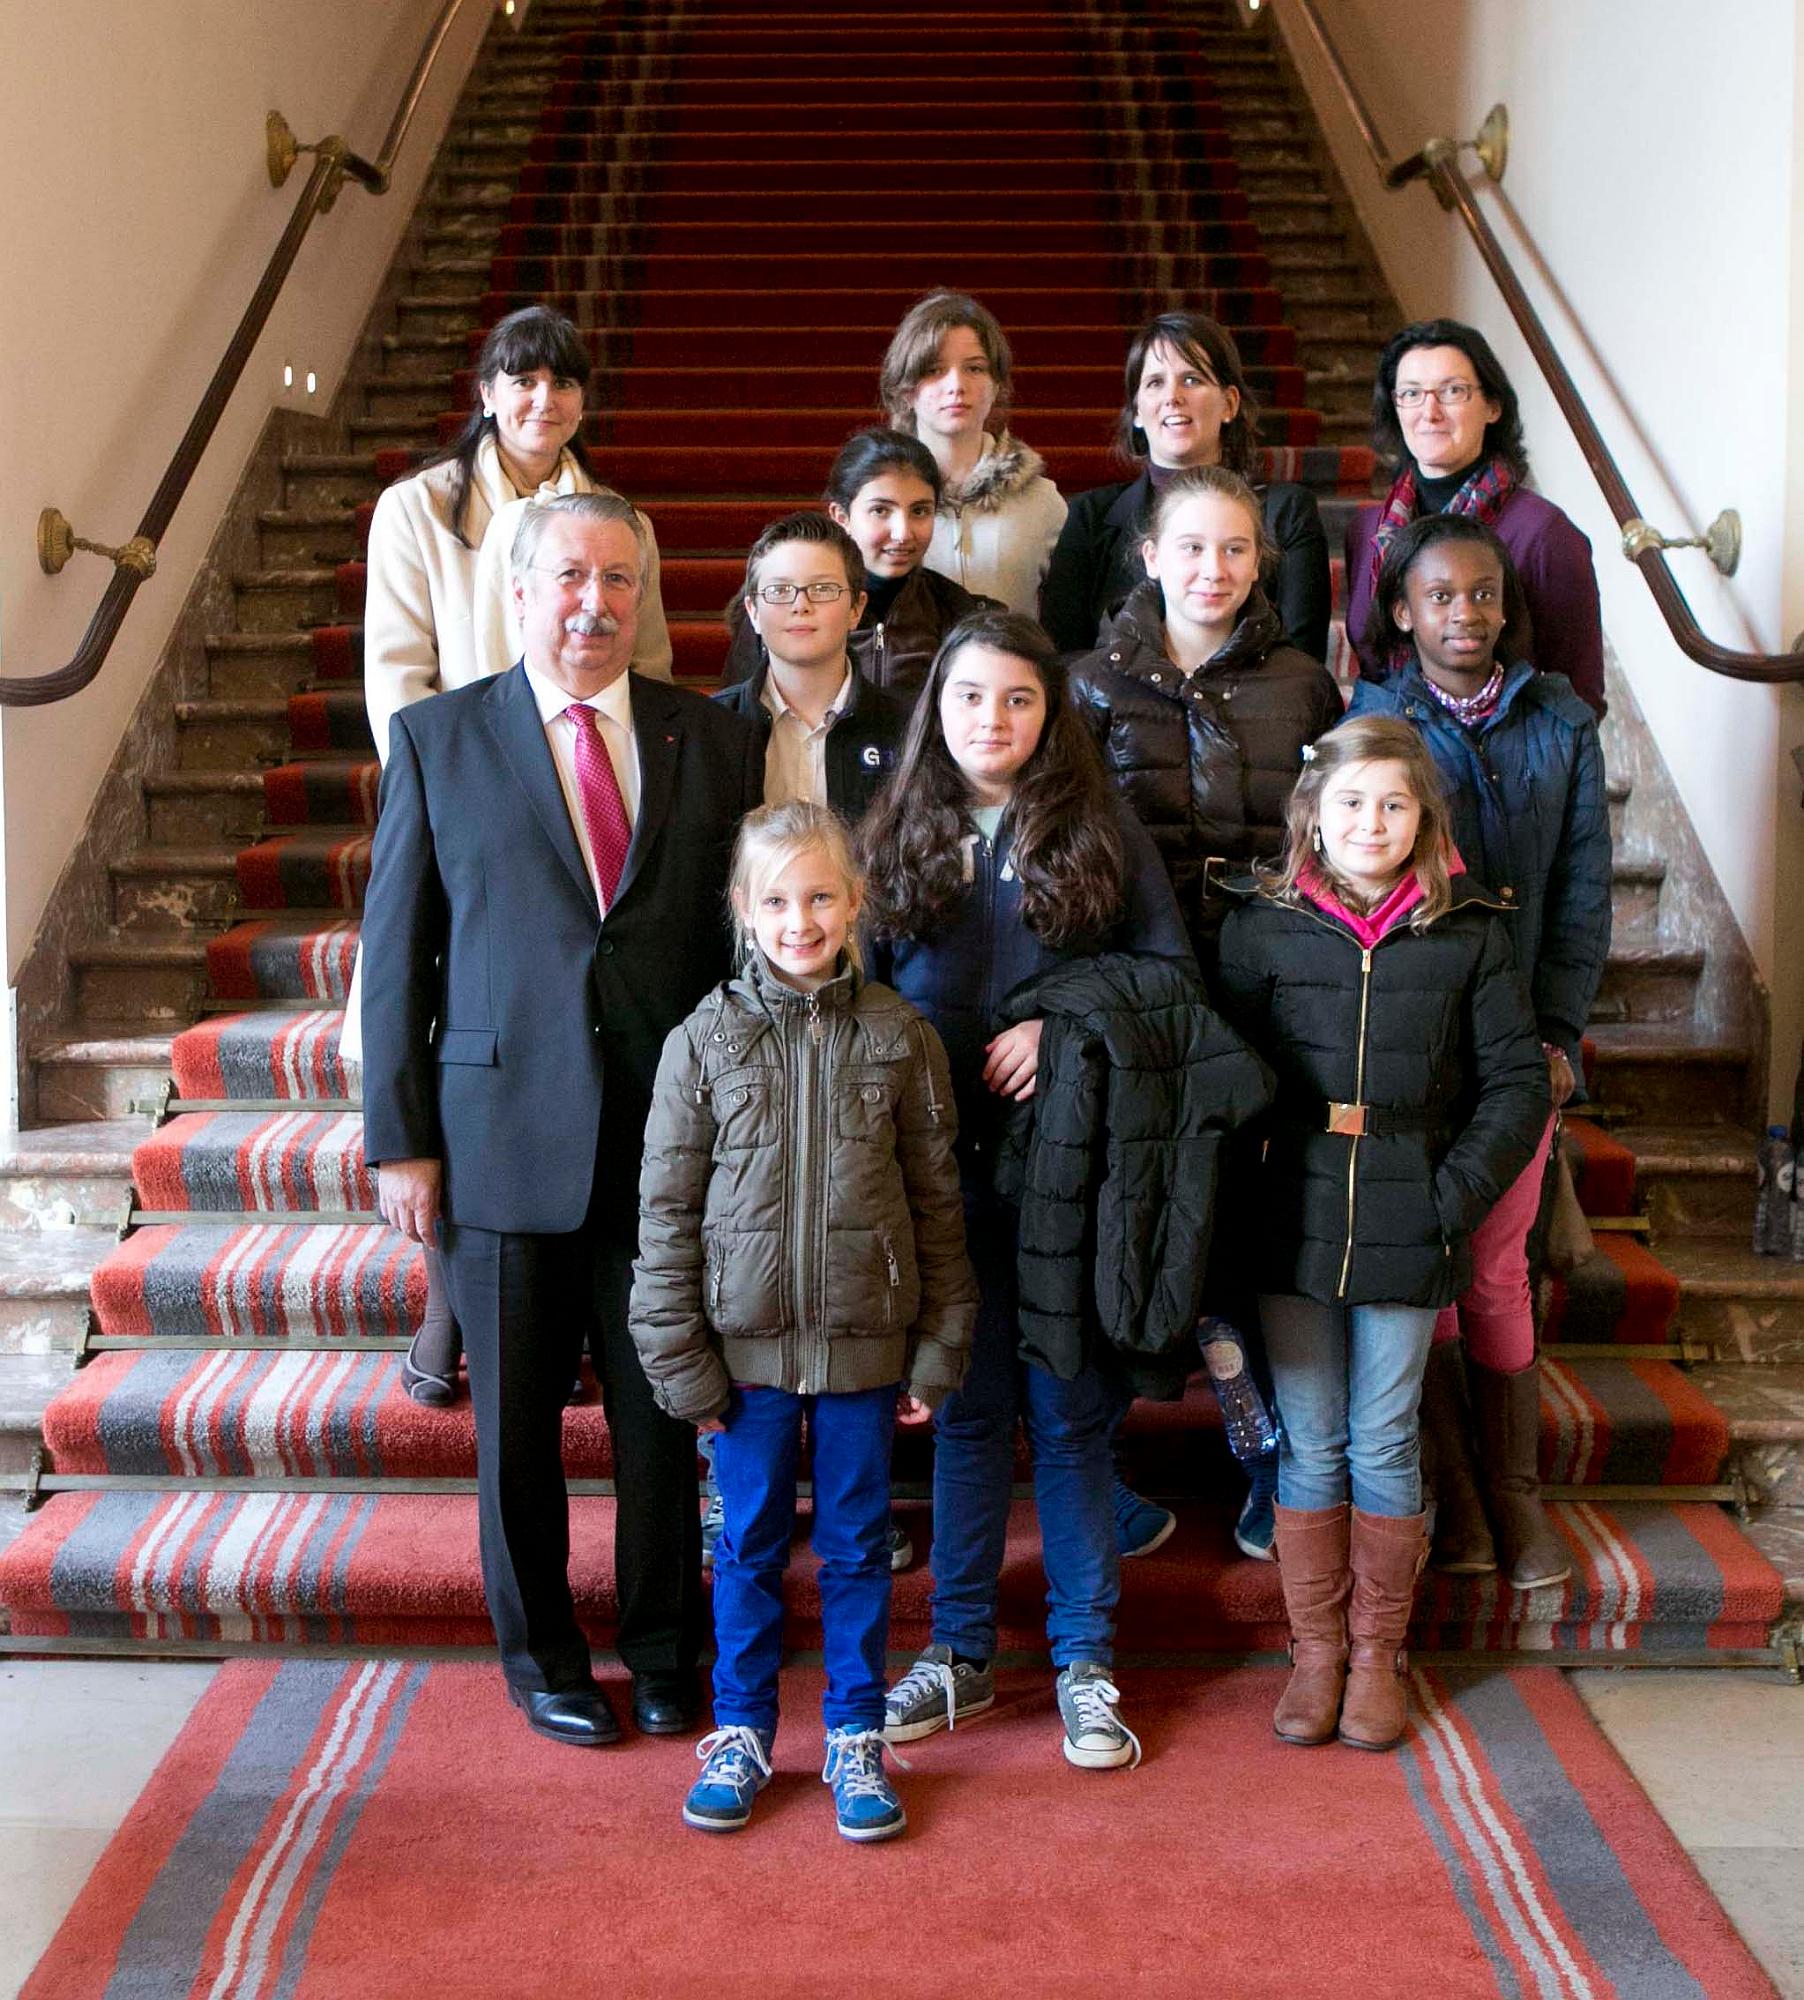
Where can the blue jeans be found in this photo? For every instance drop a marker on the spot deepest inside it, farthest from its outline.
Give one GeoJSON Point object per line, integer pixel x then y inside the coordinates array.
{"type": "Point", "coordinates": [1068, 1431]}
{"type": "Point", "coordinates": [1349, 1383]}
{"type": "Point", "coordinates": [755, 1463]}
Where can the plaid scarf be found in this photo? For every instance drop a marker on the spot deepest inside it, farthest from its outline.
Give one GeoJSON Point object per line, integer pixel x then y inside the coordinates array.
{"type": "Point", "coordinates": [1482, 496]}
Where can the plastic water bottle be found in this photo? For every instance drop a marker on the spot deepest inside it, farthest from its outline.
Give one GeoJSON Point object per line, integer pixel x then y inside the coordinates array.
{"type": "Point", "coordinates": [1252, 1431]}
{"type": "Point", "coordinates": [1773, 1202]}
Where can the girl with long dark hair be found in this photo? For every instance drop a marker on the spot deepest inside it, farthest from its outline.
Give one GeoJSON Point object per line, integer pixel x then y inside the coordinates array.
{"type": "Point", "coordinates": [995, 854]}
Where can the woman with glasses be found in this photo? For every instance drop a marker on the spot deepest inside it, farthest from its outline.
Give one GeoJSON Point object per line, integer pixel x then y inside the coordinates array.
{"type": "Point", "coordinates": [1187, 404]}
{"type": "Point", "coordinates": [431, 621]}
{"type": "Point", "coordinates": [1444, 414]}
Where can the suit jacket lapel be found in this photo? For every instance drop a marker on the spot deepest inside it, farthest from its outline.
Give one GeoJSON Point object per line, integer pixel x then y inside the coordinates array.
{"type": "Point", "coordinates": [513, 718]}
{"type": "Point", "coordinates": [658, 731]}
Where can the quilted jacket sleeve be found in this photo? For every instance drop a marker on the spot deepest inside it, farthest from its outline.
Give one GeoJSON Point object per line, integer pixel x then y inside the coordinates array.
{"type": "Point", "coordinates": [939, 1342]}
{"type": "Point", "coordinates": [1575, 920]}
{"type": "Point", "coordinates": [676, 1347]}
{"type": "Point", "coordinates": [1513, 1103]}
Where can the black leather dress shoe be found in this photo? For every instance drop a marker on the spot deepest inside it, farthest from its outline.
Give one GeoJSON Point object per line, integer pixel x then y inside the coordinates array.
{"type": "Point", "coordinates": [665, 1704]}
{"type": "Point", "coordinates": [569, 1715]}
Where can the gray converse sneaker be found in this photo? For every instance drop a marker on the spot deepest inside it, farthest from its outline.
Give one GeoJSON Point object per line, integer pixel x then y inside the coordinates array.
{"type": "Point", "coordinates": [934, 1694]}
{"type": "Point", "coordinates": [1095, 1736]}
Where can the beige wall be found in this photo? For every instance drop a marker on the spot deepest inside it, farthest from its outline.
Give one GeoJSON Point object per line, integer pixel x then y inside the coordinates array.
{"type": "Point", "coordinates": [137, 219]}
{"type": "Point", "coordinates": [1652, 202]}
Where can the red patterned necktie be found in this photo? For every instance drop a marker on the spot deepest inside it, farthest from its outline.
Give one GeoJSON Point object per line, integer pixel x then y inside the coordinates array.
{"type": "Point", "coordinates": [604, 810]}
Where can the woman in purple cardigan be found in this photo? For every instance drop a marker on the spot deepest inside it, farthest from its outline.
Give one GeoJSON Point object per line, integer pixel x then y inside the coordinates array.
{"type": "Point", "coordinates": [1444, 414]}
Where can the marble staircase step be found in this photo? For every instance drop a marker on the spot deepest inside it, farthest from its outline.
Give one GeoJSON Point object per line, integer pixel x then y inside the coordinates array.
{"type": "Point", "coordinates": [1693, 1181]}
{"type": "Point", "coordinates": [1751, 1308]}
{"type": "Point", "coordinates": [44, 1276]}
{"type": "Point", "coordinates": [1765, 1409]}
{"type": "Point", "coordinates": [99, 1069]}
{"type": "Point", "coordinates": [77, 1175]}
{"type": "Point", "coordinates": [1666, 1073]}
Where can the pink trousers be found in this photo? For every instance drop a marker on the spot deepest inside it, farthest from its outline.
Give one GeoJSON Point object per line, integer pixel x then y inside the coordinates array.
{"type": "Point", "coordinates": [1495, 1312]}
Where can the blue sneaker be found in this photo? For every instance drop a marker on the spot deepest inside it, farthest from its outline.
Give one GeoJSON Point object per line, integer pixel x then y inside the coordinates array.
{"type": "Point", "coordinates": [1256, 1527]}
{"type": "Point", "coordinates": [735, 1769]}
{"type": "Point", "coordinates": [863, 1798]}
{"type": "Point", "coordinates": [1140, 1525]}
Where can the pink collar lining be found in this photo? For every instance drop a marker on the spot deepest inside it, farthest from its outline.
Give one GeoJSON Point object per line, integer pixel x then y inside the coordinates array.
{"type": "Point", "coordinates": [1370, 926]}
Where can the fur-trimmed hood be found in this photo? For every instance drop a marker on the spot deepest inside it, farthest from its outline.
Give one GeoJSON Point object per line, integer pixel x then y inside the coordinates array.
{"type": "Point", "coordinates": [1008, 467]}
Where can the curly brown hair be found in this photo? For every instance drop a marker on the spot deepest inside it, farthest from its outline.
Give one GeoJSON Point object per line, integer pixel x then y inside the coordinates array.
{"type": "Point", "coordinates": [1065, 836]}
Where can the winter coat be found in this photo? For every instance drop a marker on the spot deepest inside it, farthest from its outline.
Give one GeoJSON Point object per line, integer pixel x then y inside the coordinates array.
{"type": "Point", "coordinates": [893, 651]}
{"type": "Point", "coordinates": [1208, 761]}
{"type": "Point", "coordinates": [1532, 822]}
{"type": "Point", "coordinates": [1113, 1160]}
{"type": "Point", "coordinates": [800, 1225]}
{"type": "Point", "coordinates": [861, 745]}
{"type": "Point", "coordinates": [1431, 1032]}
{"type": "Point", "coordinates": [1553, 559]}
{"type": "Point", "coordinates": [994, 534]}
{"type": "Point", "coordinates": [960, 974]}
{"type": "Point", "coordinates": [1097, 564]}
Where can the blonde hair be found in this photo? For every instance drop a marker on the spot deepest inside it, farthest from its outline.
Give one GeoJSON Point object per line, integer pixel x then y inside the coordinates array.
{"type": "Point", "coordinates": [1369, 739]}
{"type": "Point", "coordinates": [914, 354]}
{"type": "Point", "coordinates": [770, 838]}
{"type": "Point", "coordinates": [1217, 481]}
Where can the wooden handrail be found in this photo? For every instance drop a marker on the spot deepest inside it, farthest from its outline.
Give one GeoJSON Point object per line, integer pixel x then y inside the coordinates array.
{"type": "Point", "coordinates": [136, 560]}
{"type": "Point", "coordinates": [1437, 163]}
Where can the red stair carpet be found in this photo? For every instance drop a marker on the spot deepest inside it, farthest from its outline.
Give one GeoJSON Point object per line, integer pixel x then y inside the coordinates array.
{"type": "Point", "coordinates": [352, 1832]}
{"type": "Point", "coordinates": [737, 204]}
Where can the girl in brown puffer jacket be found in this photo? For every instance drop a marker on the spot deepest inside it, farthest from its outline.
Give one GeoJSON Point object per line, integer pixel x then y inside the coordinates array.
{"type": "Point", "coordinates": [801, 1251]}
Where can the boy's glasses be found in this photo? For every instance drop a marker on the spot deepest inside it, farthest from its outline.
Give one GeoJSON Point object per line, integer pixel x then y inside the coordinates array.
{"type": "Point", "coordinates": [823, 592]}
{"type": "Point", "coordinates": [1450, 395]}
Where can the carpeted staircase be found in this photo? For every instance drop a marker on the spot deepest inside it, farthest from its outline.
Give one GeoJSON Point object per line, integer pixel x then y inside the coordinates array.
{"type": "Point", "coordinates": [737, 205]}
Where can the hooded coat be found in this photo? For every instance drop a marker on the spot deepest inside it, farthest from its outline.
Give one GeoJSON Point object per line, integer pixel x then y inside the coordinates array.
{"type": "Point", "coordinates": [995, 532]}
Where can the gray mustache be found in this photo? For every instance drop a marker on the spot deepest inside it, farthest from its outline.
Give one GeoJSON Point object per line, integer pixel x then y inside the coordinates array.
{"type": "Point", "coordinates": [592, 625]}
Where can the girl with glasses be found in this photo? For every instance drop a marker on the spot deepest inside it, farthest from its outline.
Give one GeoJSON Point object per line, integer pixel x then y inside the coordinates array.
{"type": "Point", "coordinates": [1444, 414]}
{"type": "Point", "coordinates": [884, 490]}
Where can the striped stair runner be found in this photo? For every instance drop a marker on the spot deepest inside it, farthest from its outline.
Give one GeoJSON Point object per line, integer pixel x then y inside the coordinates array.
{"type": "Point", "coordinates": [702, 194]}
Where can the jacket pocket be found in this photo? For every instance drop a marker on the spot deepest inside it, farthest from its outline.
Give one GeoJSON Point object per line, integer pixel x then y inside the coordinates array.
{"type": "Point", "coordinates": [468, 1045]}
{"type": "Point", "coordinates": [747, 1111]}
{"type": "Point", "coordinates": [864, 1105]}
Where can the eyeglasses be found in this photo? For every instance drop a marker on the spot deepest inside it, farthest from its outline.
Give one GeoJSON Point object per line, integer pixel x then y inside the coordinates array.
{"type": "Point", "coordinates": [613, 582]}
{"type": "Point", "coordinates": [822, 592]}
{"type": "Point", "coordinates": [1450, 395]}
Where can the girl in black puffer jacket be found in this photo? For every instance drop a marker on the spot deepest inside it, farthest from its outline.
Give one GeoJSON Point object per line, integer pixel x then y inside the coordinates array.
{"type": "Point", "coordinates": [1200, 707]}
{"type": "Point", "coordinates": [1202, 711]}
{"type": "Point", "coordinates": [1411, 1093]}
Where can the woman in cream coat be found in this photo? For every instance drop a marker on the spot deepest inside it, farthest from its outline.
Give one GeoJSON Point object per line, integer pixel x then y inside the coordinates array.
{"type": "Point", "coordinates": [436, 610]}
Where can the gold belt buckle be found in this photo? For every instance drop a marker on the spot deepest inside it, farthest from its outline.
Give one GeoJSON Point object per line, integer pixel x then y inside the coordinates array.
{"type": "Point", "coordinates": [1347, 1119]}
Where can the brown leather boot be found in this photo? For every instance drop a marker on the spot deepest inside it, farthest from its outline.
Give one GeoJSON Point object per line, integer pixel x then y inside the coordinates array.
{"type": "Point", "coordinates": [1312, 1563]}
{"type": "Point", "coordinates": [1462, 1535]}
{"type": "Point", "coordinates": [1386, 1554]}
{"type": "Point", "coordinates": [1508, 1408]}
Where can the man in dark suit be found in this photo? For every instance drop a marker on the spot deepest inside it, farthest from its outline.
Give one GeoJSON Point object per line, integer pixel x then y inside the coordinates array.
{"type": "Point", "coordinates": [546, 902]}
